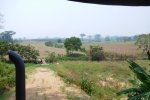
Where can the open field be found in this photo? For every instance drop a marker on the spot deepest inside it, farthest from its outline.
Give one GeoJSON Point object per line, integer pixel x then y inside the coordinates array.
{"type": "Point", "coordinates": [105, 78]}
{"type": "Point", "coordinates": [44, 49]}
{"type": "Point", "coordinates": [127, 48]}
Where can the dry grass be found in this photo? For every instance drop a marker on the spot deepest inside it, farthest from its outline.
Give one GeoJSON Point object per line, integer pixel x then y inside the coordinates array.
{"type": "Point", "coordinates": [44, 49]}
{"type": "Point", "coordinates": [128, 48]}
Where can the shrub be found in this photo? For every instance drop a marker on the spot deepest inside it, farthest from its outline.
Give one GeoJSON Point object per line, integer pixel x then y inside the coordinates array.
{"type": "Point", "coordinates": [49, 43]}
{"type": "Point", "coordinates": [96, 53]}
{"type": "Point", "coordinates": [52, 57]}
{"type": "Point", "coordinates": [28, 53]}
{"type": "Point", "coordinates": [58, 45]}
{"type": "Point", "coordinates": [86, 86]}
{"type": "Point", "coordinates": [75, 57]}
{"type": "Point", "coordinates": [7, 77]}
{"type": "Point", "coordinates": [142, 91]}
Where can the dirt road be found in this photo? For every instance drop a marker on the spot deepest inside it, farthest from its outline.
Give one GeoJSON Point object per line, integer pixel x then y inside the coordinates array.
{"type": "Point", "coordinates": [44, 84]}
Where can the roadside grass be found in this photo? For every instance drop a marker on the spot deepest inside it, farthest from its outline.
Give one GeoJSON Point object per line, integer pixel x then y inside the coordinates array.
{"type": "Point", "coordinates": [7, 94]}
{"type": "Point", "coordinates": [100, 80]}
{"type": "Point", "coordinates": [29, 68]}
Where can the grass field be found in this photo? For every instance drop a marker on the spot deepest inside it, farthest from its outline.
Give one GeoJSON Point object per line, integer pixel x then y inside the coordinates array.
{"type": "Point", "coordinates": [127, 48]}
{"type": "Point", "coordinates": [44, 49]}
{"type": "Point", "coordinates": [104, 78]}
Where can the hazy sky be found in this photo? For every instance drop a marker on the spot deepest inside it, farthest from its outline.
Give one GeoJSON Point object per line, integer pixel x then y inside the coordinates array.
{"type": "Point", "coordinates": [62, 18]}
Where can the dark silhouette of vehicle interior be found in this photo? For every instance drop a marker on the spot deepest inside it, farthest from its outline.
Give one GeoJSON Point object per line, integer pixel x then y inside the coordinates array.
{"type": "Point", "coordinates": [19, 64]}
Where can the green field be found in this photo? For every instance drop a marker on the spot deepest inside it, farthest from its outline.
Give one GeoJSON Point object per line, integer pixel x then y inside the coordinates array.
{"type": "Point", "coordinates": [105, 78]}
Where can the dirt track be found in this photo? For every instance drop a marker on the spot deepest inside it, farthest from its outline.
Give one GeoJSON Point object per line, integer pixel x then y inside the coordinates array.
{"type": "Point", "coordinates": [44, 84]}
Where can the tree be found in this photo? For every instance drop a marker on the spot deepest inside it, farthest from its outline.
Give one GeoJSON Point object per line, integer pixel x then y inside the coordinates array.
{"type": "Point", "coordinates": [97, 37]}
{"type": "Point", "coordinates": [7, 36]}
{"type": "Point", "coordinates": [143, 42]}
{"type": "Point", "coordinates": [72, 44]}
{"type": "Point", "coordinates": [96, 53]}
{"type": "Point", "coordinates": [82, 36]}
{"type": "Point", "coordinates": [107, 38]}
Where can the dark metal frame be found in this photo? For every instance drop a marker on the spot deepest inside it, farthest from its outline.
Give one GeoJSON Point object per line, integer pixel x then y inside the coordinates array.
{"type": "Point", "coordinates": [20, 75]}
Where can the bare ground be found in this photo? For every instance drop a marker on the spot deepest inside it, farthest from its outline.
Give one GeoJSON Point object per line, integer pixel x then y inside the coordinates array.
{"type": "Point", "coordinates": [44, 84]}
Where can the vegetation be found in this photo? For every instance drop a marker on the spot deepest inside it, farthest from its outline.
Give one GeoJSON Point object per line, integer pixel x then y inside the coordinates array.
{"type": "Point", "coordinates": [143, 42]}
{"type": "Point", "coordinates": [142, 91]}
{"type": "Point", "coordinates": [100, 79]}
{"type": "Point", "coordinates": [7, 36]}
{"type": "Point", "coordinates": [7, 77]}
{"type": "Point", "coordinates": [96, 53]}
{"type": "Point", "coordinates": [72, 44]}
{"type": "Point", "coordinates": [28, 53]}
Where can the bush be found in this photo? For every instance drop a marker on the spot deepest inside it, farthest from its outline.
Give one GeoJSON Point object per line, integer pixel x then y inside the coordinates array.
{"type": "Point", "coordinates": [96, 53]}
{"type": "Point", "coordinates": [58, 45]}
{"type": "Point", "coordinates": [52, 57]}
{"type": "Point", "coordinates": [49, 43]}
{"type": "Point", "coordinates": [7, 77]}
{"type": "Point", "coordinates": [75, 57]}
{"type": "Point", "coordinates": [86, 86]}
{"type": "Point", "coordinates": [28, 53]}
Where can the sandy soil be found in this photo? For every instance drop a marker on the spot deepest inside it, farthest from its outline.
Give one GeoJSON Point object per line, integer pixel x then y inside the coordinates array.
{"type": "Point", "coordinates": [44, 84]}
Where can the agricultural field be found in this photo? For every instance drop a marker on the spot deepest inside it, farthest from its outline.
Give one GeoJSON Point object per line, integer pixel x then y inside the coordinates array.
{"type": "Point", "coordinates": [44, 49]}
{"type": "Point", "coordinates": [127, 48]}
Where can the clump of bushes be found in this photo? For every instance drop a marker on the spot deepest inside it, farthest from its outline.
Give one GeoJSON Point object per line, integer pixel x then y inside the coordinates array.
{"type": "Point", "coordinates": [7, 77]}
{"type": "Point", "coordinates": [28, 53]}
{"type": "Point", "coordinates": [49, 43]}
{"type": "Point", "coordinates": [52, 57]}
{"type": "Point", "coordinates": [96, 53]}
{"type": "Point", "coordinates": [52, 44]}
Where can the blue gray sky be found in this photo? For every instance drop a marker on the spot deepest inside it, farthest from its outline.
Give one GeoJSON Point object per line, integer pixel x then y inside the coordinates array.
{"type": "Point", "coordinates": [62, 18]}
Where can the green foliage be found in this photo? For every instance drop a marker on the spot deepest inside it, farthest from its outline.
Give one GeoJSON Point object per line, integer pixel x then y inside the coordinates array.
{"type": "Point", "coordinates": [96, 53]}
{"type": "Point", "coordinates": [142, 92]}
{"type": "Point", "coordinates": [86, 85]}
{"type": "Point", "coordinates": [143, 42]}
{"type": "Point", "coordinates": [52, 57]}
{"type": "Point", "coordinates": [4, 47]}
{"type": "Point", "coordinates": [58, 45]}
{"type": "Point", "coordinates": [7, 36]}
{"type": "Point", "coordinates": [72, 44]}
{"type": "Point", "coordinates": [7, 77]}
{"type": "Point", "coordinates": [74, 57]}
{"type": "Point", "coordinates": [28, 53]}
{"type": "Point", "coordinates": [49, 43]}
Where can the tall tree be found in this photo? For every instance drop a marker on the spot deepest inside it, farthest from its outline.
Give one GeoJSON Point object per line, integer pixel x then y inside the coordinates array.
{"type": "Point", "coordinates": [7, 35]}
{"type": "Point", "coordinates": [72, 44]}
{"type": "Point", "coordinates": [97, 37]}
{"type": "Point", "coordinates": [143, 42]}
{"type": "Point", "coordinates": [82, 36]}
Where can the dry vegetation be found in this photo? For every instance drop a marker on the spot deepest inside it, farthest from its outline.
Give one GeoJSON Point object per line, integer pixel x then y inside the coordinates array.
{"type": "Point", "coordinates": [128, 48]}
{"type": "Point", "coordinates": [44, 49]}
